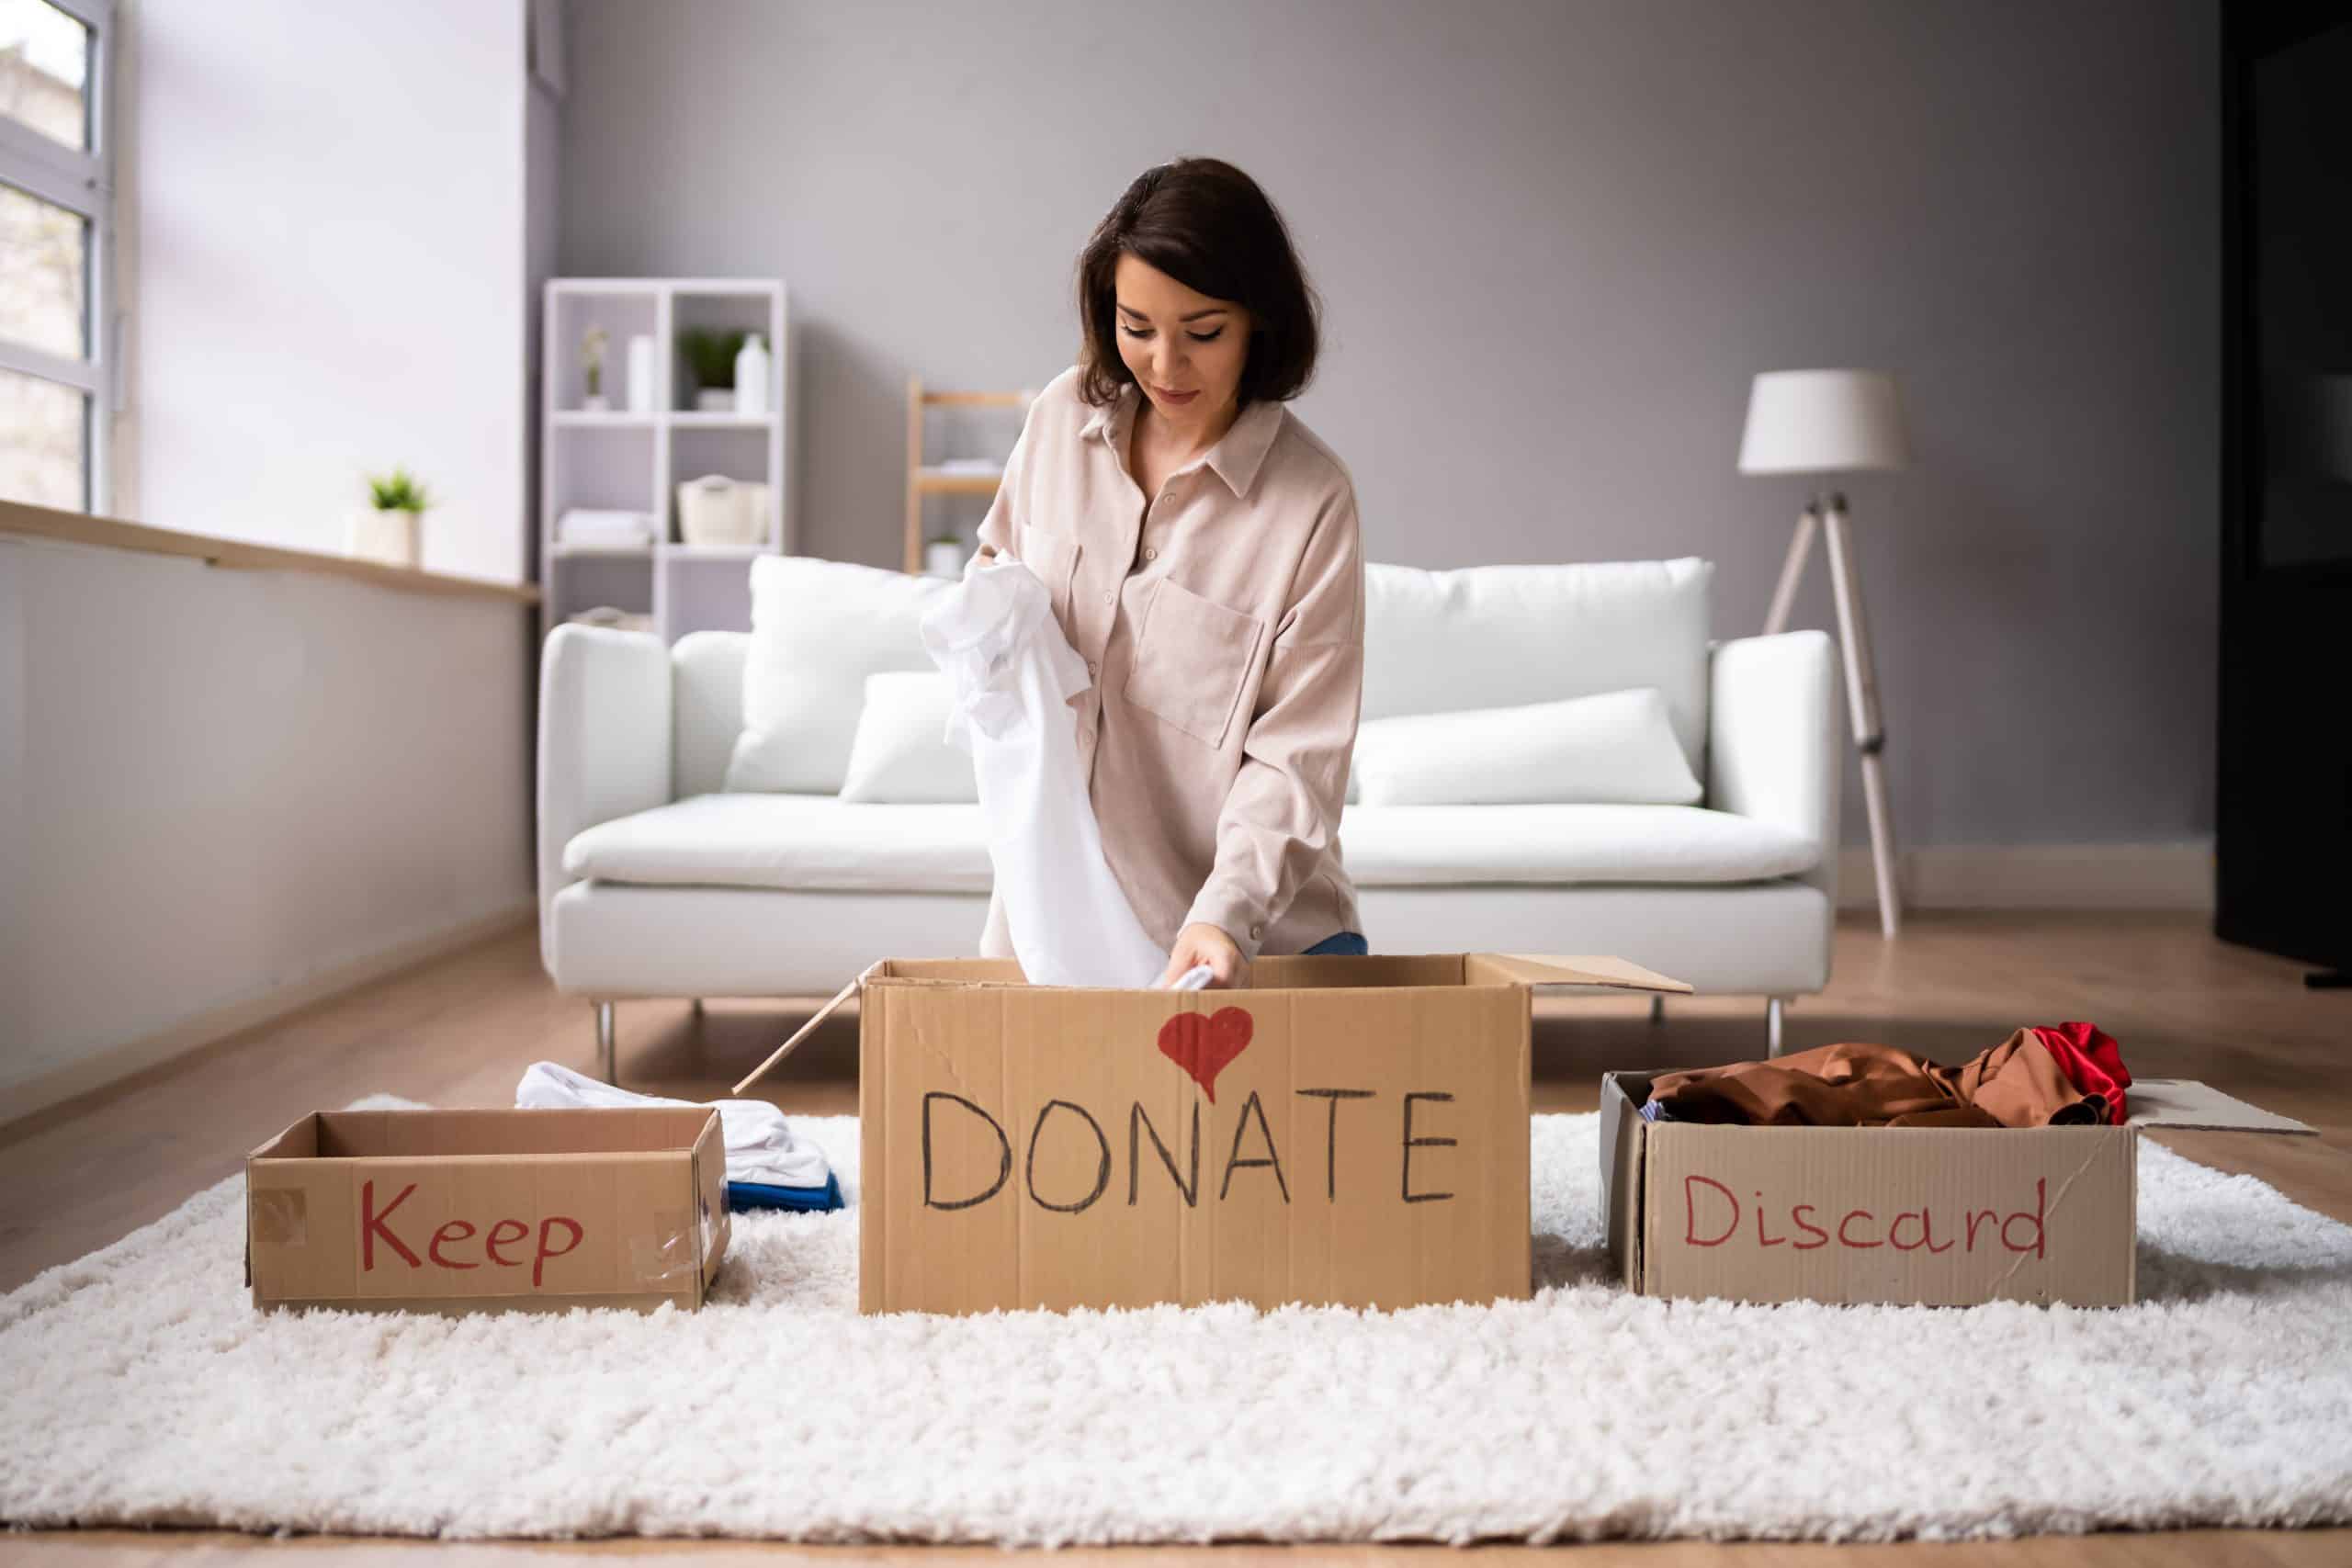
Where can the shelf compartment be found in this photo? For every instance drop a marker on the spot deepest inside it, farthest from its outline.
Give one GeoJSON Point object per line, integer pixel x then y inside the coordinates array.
{"type": "Point", "coordinates": [623, 312]}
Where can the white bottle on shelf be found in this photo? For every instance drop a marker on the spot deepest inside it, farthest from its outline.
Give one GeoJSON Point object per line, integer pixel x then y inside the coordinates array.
{"type": "Point", "coordinates": [640, 373]}
{"type": "Point", "coordinates": [752, 376]}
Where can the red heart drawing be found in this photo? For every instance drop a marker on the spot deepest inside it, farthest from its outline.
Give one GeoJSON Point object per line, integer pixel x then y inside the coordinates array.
{"type": "Point", "coordinates": [1203, 1046]}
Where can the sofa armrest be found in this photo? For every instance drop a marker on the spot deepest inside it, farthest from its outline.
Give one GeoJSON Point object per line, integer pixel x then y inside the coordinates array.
{"type": "Point", "coordinates": [1772, 739]}
{"type": "Point", "coordinates": [603, 742]}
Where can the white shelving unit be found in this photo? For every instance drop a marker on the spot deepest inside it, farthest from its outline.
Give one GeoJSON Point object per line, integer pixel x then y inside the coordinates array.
{"type": "Point", "coordinates": [636, 459]}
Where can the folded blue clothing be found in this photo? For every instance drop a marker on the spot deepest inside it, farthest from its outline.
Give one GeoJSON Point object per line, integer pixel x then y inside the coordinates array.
{"type": "Point", "coordinates": [759, 1195]}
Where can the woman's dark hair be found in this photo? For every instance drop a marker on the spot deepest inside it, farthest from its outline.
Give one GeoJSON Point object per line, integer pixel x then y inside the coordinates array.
{"type": "Point", "coordinates": [1208, 225]}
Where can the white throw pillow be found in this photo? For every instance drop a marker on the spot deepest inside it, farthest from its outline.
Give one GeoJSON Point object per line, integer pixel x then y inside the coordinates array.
{"type": "Point", "coordinates": [901, 750]}
{"type": "Point", "coordinates": [1502, 635]}
{"type": "Point", "coordinates": [818, 630]}
{"type": "Point", "coordinates": [1618, 748]}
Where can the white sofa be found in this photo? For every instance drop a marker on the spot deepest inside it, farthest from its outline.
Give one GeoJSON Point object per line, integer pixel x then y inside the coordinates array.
{"type": "Point", "coordinates": [654, 882]}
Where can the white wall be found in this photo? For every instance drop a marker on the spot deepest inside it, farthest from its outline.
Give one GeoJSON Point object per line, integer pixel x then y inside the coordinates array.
{"type": "Point", "coordinates": [324, 262]}
{"type": "Point", "coordinates": [219, 788]}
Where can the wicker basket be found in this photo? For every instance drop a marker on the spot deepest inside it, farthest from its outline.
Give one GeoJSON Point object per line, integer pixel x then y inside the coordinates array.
{"type": "Point", "coordinates": [716, 510]}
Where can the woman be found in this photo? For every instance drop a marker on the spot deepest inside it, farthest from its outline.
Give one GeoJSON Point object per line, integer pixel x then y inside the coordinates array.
{"type": "Point", "coordinates": [1200, 546]}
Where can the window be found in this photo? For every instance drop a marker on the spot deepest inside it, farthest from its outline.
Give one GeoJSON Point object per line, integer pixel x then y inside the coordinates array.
{"type": "Point", "coordinates": [56, 249]}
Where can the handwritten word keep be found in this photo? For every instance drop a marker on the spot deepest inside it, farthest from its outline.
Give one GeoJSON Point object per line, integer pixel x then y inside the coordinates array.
{"type": "Point", "coordinates": [442, 1249]}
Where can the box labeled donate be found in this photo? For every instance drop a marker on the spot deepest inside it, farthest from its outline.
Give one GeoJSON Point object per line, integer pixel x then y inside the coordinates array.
{"type": "Point", "coordinates": [1343, 1129]}
{"type": "Point", "coordinates": [472, 1210]}
{"type": "Point", "coordinates": [1940, 1216]}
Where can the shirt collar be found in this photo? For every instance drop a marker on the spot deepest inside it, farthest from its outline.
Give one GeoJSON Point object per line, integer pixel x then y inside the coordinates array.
{"type": "Point", "coordinates": [1239, 454]}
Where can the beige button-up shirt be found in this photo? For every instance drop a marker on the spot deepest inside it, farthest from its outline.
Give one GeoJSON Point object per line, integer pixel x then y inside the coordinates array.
{"type": "Point", "coordinates": [1223, 623]}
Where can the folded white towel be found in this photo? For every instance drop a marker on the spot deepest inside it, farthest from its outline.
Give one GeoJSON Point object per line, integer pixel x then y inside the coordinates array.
{"type": "Point", "coordinates": [586, 526]}
{"type": "Point", "coordinates": [760, 1145]}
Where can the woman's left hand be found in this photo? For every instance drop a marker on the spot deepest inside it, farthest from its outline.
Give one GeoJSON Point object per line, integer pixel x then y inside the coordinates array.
{"type": "Point", "coordinates": [1201, 943]}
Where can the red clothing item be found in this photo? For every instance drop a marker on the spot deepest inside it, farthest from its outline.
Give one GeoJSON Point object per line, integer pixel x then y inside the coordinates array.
{"type": "Point", "coordinates": [2092, 1061]}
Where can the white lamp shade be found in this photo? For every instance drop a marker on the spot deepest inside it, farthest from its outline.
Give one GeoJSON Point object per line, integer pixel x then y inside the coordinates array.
{"type": "Point", "coordinates": [1823, 421]}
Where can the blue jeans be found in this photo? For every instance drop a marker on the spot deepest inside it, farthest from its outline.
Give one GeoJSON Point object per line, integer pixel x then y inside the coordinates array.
{"type": "Point", "coordinates": [1351, 943]}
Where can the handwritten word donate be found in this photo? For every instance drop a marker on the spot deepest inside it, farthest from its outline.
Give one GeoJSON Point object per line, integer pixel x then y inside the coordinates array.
{"type": "Point", "coordinates": [1066, 1119]}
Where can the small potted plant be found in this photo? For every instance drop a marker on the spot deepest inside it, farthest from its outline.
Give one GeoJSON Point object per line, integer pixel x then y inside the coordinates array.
{"type": "Point", "coordinates": [592, 368]}
{"type": "Point", "coordinates": [390, 529]}
{"type": "Point", "coordinates": [710, 356]}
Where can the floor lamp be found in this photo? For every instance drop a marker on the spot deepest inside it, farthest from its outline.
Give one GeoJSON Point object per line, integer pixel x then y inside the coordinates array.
{"type": "Point", "coordinates": [1835, 421]}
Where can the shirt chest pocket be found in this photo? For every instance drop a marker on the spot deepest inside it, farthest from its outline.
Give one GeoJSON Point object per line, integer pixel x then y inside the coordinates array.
{"type": "Point", "coordinates": [1192, 659]}
{"type": "Point", "coordinates": [1052, 558]}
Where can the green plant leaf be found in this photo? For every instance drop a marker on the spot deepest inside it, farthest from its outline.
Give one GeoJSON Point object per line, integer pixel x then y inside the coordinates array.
{"type": "Point", "coordinates": [398, 491]}
{"type": "Point", "coordinates": [711, 354]}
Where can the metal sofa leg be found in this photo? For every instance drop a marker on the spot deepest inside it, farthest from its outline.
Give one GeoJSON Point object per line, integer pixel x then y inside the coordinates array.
{"type": "Point", "coordinates": [1773, 1010]}
{"type": "Point", "coordinates": [606, 1058]}
{"type": "Point", "coordinates": [1657, 1011]}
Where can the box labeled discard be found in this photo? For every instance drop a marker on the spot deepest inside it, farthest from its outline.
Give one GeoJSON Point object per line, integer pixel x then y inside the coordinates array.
{"type": "Point", "coordinates": [1940, 1216]}
{"type": "Point", "coordinates": [472, 1210]}
{"type": "Point", "coordinates": [1344, 1129]}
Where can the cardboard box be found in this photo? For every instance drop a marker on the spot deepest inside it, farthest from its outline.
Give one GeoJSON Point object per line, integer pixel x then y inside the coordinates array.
{"type": "Point", "coordinates": [1349, 1130]}
{"type": "Point", "coordinates": [472, 1210]}
{"type": "Point", "coordinates": [1942, 1216]}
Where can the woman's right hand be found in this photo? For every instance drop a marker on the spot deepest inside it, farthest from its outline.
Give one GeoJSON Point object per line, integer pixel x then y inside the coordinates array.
{"type": "Point", "coordinates": [1201, 943]}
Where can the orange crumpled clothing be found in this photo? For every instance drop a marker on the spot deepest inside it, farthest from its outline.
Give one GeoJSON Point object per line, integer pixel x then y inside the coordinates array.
{"type": "Point", "coordinates": [2015, 1084]}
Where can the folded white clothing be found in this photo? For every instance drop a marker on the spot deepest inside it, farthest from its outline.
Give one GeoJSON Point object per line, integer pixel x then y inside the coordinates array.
{"type": "Point", "coordinates": [760, 1144]}
{"type": "Point", "coordinates": [588, 525]}
{"type": "Point", "coordinates": [605, 517]}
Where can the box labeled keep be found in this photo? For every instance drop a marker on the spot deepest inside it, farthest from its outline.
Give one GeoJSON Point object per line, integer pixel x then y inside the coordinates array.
{"type": "Point", "coordinates": [1938, 1216]}
{"type": "Point", "coordinates": [1348, 1130]}
{"type": "Point", "coordinates": [471, 1210]}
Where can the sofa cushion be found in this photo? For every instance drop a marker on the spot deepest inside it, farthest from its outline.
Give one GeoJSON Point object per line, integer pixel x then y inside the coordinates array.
{"type": "Point", "coordinates": [902, 752]}
{"type": "Point", "coordinates": [819, 842]}
{"type": "Point", "coordinates": [1618, 748]}
{"type": "Point", "coordinates": [1392, 846]}
{"type": "Point", "coordinates": [1502, 635]}
{"type": "Point", "coordinates": [789, 841]}
{"type": "Point", "coordinates": [818, 630]}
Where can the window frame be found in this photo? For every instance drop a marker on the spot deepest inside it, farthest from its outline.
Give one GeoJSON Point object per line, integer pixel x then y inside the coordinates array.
{"type": "Point", "coordinates": [82, 183]}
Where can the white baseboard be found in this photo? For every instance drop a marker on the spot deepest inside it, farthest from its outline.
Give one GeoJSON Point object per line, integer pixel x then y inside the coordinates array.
{"type": "Point", "coordinates": [116, 1062]}
{"type": "Point", "coordinates": [2178, 876]}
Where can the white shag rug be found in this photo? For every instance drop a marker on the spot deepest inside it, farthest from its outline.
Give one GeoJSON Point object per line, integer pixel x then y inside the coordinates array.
{"type": "Point", "coordinates": [139, 1387]}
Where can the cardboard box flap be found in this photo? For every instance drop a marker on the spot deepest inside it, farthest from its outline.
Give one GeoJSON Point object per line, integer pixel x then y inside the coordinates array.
{"type": "Point", "coordinates": [875, 968]}
{"type": "Point", "coordinates": [2185, 1103]}
{"type": "Point", "coordinates": [1552, 969]}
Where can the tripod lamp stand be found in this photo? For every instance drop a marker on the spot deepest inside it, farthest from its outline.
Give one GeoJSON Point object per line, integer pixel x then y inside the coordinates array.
{"type": "Point", "coordinates": [1835, 421]}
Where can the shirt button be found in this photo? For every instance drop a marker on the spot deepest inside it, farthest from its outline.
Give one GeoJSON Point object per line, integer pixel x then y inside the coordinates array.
{"type": "Point", "coordinates": [1151, 552]}
{"type": "Point", "coordinates": [1257, 932]}
{"type": "Point", "coordinates": [1110, 597]}
{"type": "Point", "coordinates": [1090, 667]}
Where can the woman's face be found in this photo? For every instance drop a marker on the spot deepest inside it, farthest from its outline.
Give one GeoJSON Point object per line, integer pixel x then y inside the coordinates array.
{"type": "Point", "coordinates": [1185, 349]}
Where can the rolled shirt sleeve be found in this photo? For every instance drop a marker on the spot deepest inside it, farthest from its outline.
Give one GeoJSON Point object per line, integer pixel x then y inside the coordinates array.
{"type": "Point", "coordinates": [1282, 814]}
{"type": "Point", "coordinates": [1001, 525]}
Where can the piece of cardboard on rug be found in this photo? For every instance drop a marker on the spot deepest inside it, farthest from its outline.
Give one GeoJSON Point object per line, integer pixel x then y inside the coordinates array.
{"type": "Point", "coordinates": [1935, 1216]}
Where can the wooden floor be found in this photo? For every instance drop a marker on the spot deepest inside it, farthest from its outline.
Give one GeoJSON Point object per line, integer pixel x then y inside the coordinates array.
{"type": "Point", "coordinates": [460, 1030]}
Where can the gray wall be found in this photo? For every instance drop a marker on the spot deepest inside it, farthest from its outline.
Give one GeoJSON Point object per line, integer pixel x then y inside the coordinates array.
{"type": "Point", "coordinates": [1554, 241]}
